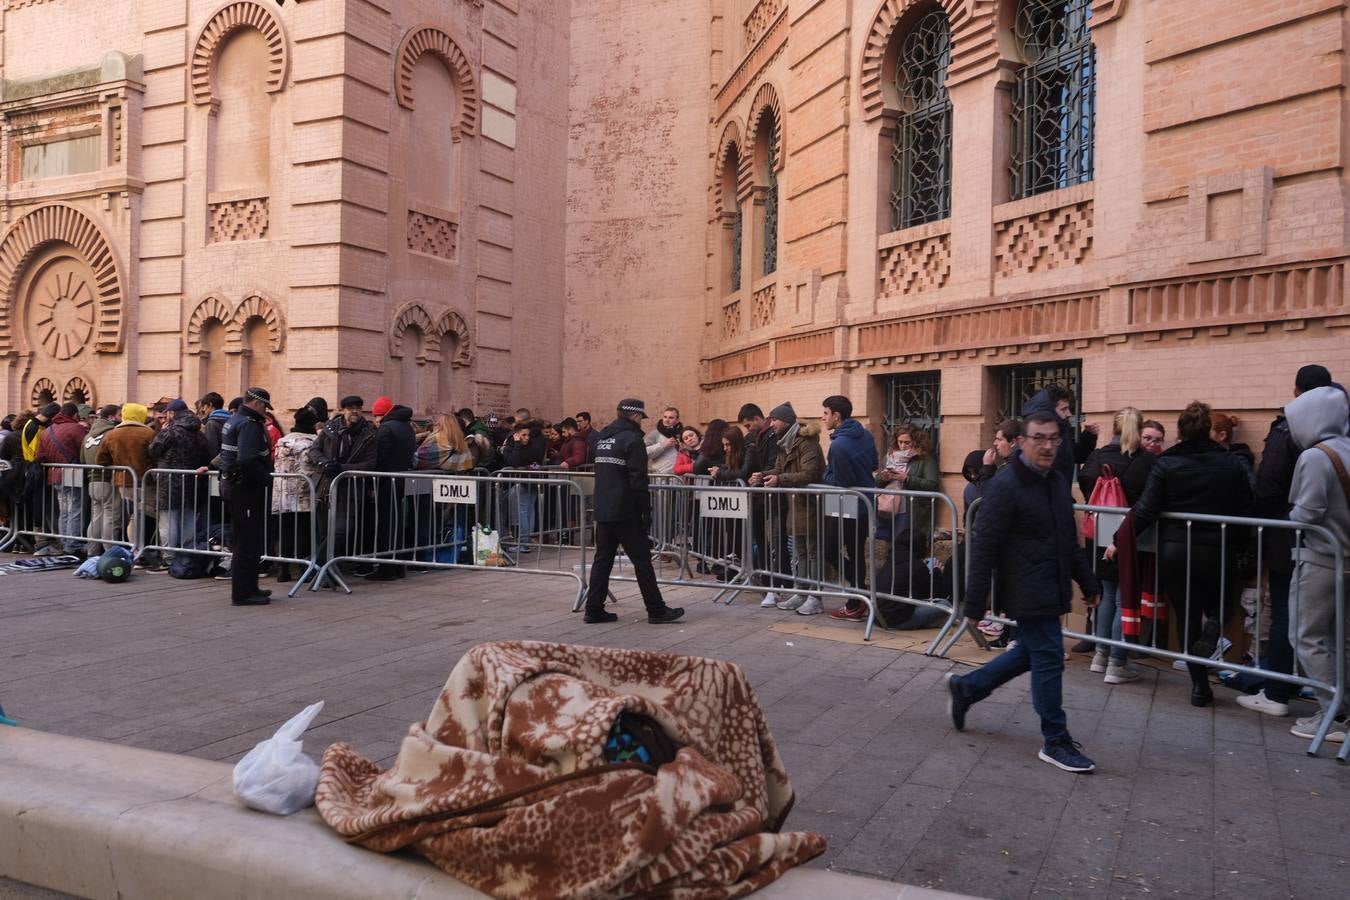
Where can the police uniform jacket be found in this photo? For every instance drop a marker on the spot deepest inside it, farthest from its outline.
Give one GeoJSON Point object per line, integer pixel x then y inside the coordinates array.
{"type": "Point", "coordinates": [245, 451]}
{"type": "Point", "coordinates": [621, 485]}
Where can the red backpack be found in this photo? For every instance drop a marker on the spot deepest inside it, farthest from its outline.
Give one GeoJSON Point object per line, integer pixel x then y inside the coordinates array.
{"type": "Point", "coordinates": [1106, 492]}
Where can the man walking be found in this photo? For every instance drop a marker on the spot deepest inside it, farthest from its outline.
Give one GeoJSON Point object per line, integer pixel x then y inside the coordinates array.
{"type": "Point", "coordinates": [623, 515]}
{"type": "Point", "coordinates": [245, 473]}
{"type": "Point", "coordinates": [1027, 536]}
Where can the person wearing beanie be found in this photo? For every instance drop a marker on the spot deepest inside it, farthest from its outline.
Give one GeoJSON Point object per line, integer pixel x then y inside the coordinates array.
{"type": "Point", "coordinates": [346, 444]}
{"type": "Point", "coordinates": [800, 461]}
{"type": "Point", "coordinates": [761, 453]}
{"type": "Point", "coordinates": [784, 413]}
{"type": "Point", "coordinates": [319, 407]}
{"type": "Point", "coordinates": [381, 408]}
{"type": "Point", "coordinates": [128, 446]}
{"type": "Point", "coordinates": [105, 507]}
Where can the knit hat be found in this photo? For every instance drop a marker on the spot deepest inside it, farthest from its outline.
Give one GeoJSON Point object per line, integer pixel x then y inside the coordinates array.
{"type": "Point", "coordinates": [51, 410]}
{"type": "Point", "coordinates": [784, 413]}
{"type": "Point", "coordinates": [319, 407]}
{"type": "Point", "coordinates": [134, 412]}
{"type": "Point", "coordinates": [1312, 376]}
{"type": "Point", "coordinates": [382, 406]}
{"type": "Point", "coordinates": [176, 406]}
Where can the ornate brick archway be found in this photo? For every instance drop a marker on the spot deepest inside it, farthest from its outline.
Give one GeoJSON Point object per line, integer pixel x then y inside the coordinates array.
{"type": "Point", "coordinates": [227, 20]}
{"type": "Point", "coordinates": [46, 227]}
{"type": "Point", "coordinates": [426, 39]}
{"type": "Point", "coordinates": [766, 101]}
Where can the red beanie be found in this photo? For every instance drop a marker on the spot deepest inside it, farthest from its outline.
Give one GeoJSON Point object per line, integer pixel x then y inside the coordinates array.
{"type": "Point", "coordinates": [382, 406]}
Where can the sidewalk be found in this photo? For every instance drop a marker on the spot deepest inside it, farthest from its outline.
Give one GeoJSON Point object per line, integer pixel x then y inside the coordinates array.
{"type": "Point", "coordinates": [1193, 803]}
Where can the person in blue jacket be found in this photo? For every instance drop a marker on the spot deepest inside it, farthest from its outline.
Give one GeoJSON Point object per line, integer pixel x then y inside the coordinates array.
{"type": "Point", "coordinates": [851, 463]}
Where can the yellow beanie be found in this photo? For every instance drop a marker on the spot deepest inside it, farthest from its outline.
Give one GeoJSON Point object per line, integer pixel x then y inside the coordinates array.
{"type": "Point", "coordinates": [134, 412]}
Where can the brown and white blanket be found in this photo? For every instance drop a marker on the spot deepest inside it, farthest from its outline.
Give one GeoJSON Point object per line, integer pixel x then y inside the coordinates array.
{"type": "Point", "coordinates": [506, 786]}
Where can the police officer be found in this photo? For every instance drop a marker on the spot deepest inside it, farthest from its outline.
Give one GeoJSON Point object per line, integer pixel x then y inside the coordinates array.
{"type": "Point", "coordinates": [623, 514]}
{"type": "Point", "coordinates": [245, 474]}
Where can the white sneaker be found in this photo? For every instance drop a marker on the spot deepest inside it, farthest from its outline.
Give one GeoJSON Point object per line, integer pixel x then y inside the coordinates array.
{"type": "Point", "coordinates": [1263, 704]}
{"type": "Point", "coordinates": [1309, 720]}
{"type": "Point", "coordinates": [792, 603]}
{"type": "Point", "coordinates": [1099, 661]}
{"type": "Point", "coordinates": [1121, 673]}
{"type": "Point", "coordinates": [770, 601]}
{"type": "Point", "coordinates": [811, 606]}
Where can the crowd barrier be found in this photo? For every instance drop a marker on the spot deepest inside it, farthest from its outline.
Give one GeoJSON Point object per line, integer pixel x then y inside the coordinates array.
{"type": "Point", "coordinates": [383, 524]}
{"type": "Point", "coordinates": [1237, 563]}
{"type": "Point", "coordinates": [78, 508]}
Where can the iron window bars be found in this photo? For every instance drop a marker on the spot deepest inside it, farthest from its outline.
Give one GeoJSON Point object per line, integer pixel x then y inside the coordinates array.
{"type": "Point", "coordinates": [771, 203]}
{"type": "Point", "coordinates": [1054, 98]}
{"type": "Point", "coordinates": [921, 160]}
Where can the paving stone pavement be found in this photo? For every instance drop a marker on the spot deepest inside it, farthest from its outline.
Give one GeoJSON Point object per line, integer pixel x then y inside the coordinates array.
{"type": "Point", "coordinates": [1192, 803]}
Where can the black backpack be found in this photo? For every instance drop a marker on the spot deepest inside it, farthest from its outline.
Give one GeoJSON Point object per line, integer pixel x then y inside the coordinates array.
{"type": "Point", "coordinates": [189, 565]}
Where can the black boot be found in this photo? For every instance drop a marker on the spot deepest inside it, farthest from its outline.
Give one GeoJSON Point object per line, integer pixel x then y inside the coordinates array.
{"type": "Point", "coordinates": [1201, 693]}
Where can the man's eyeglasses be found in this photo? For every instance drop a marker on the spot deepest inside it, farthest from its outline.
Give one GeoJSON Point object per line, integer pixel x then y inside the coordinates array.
{"type": "Point", "coordinates": [1052, 439]}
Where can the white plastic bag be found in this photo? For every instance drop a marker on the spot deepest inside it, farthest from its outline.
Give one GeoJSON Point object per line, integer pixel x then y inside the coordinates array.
{"type": "Point", "coordinates": [276, 776]}
{"type": "Point", "coordinates": [486, 547]}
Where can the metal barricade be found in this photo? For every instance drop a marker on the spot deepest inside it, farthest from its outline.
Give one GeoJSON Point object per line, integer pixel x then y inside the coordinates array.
{"type": "Point", "coordinates": [397, 521]}
{"type": "Point", "coordinates": [713, 527]}
{"type": "Point", "coordinates": [1231, 564]}
{"type": "Point", "coordinates": [189, 520]}
{"type": "Point", "coordinates": [80, 509]}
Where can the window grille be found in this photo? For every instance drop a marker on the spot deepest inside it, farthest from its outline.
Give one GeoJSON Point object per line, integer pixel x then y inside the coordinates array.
{"type": "Point", "coordinates": [771, 203]}
{"type": "Point", "coordinates": [736, 227]}
{"type": "Point", "coordinates": [1054, 98]}
{"type": "Point", "coordinates": [921, 160]}
{"type": "Point", "coordinates": [915, 398]}
{"type": "Point", "coordinates": [1021, 383]}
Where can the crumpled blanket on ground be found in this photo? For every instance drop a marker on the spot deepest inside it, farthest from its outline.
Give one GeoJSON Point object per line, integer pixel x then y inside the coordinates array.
{"type": "Point", "coordinates": [506, 786]}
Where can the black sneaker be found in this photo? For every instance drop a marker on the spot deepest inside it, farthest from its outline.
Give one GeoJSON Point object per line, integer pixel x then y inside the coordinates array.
{"type": "Point", "coordinates": [666, 616]}
{"type": "Point", "coordinates": [1067, 754]}
{"type": "Point", "coordinates": [957, 704]}
{"type": "Point", "coordinates": [599, 617]}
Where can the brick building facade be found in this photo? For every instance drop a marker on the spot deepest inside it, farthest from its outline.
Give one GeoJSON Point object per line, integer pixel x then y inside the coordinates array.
{"type": "Point", "coordinates": [321, 196]}
{"type": "Point", "coordinates": [932, 206]}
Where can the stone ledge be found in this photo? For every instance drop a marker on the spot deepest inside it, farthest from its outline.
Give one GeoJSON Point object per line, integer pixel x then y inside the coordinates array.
{"type": "Point", "coordinates": [97, 820]}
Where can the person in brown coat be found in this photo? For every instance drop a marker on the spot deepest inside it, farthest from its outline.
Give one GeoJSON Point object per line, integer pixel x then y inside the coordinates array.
{"type": "Point", "coordinates": [128, 445]}
{"type": "Point", "coordinates": [801, 462]}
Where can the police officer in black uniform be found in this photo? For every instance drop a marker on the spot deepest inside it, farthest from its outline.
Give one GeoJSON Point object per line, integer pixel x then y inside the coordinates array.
{"type": "Point", "coordinates": [245, 474]}
{"type": "Point", "coordinates": [623, 515]}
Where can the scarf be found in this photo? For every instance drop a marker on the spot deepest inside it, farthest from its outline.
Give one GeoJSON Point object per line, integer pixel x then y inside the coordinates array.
{"type": "Point", "coordinates": [790, 435]}
{"type": "Point", "coordinates": [673, 432]}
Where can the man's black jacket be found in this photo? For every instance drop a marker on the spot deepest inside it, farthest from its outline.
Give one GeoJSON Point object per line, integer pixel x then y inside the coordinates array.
{"type": "Point", "coordinates": [621, 484]}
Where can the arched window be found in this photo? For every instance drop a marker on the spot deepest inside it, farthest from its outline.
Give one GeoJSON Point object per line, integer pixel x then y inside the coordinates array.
{"type": "Point", "coordinates": [241, 129]}
{"type": "Point", "coordinates": [1054, 99]}
{"type": "Point", "coordinates": [733, 221]}
{"type": "Point", "coordinates": [431, 154]}
{"type": "Point", "coordinates": [921, 162]}
{"type": "Point", "coordinates": [258, 368]}
{"type": "Point", "coordinates": [770, 196]}
{"type": "Point", "coordinates": [212, 375]}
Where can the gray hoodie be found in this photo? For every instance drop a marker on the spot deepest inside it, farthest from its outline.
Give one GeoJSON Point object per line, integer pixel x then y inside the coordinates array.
{"type": "Point", "coordinates": [1316, 497]}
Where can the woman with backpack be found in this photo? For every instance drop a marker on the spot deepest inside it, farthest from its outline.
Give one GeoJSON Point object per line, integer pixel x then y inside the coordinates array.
{"type": "Point", "coordinates": [1114, 475]}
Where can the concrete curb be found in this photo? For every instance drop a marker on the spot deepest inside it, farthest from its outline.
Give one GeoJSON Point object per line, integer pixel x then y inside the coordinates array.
{"type": "Point", "coordinates": [101, 820]}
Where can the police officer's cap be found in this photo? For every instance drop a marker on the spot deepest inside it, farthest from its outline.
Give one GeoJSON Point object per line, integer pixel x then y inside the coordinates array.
{"type": "Point", "coordinates": [629, 406]}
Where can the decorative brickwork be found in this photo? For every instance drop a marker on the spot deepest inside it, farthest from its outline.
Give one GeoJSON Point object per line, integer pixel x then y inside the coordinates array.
{"type": "Point", "coordinates": [432, 40]}
{"type": "Point", "coordinates": [237, 220]}
{"type": "Point", "coordinates": [760, 18]}
{"type": "Point", "coordinates": [258, 307]}
{"type": "Point", "coordinates": [804, 350]}
{"type": "Point", "coordinates": [452, 323]}
{"type": "Point", "coordinates": [41, 387]}
{"type": "Point", "coordinates": [78, 390]}
{"type": "Point", "coordinates": [431, 235]}
{"type": "Point", "coordinates": [763, 306]}
{"type": "Point", "coordinates": [748, 363]}
{"type": "Point", "coordinates": [1012, 324]}
{"type": "Point", "coordinates": [243, 14]}
{"type": "Point", "coordinates": [20, 4]}
{"type": "Point", "coordinates": [212, 309]}
{"type": "Point", "coordinates": [974, 45]}
{"type": "Point", "coordinates": [1262, 295]}
{"type": "Point", "coordinates": [1104, 11]}
{"type": "Point", "coordinates": [1043, 241]}
{"type": "Point", "coordinates": [755, 62]}
{"type": "Point", "coordinates": [115, 126]}
{"type": "Point", "coordinates": [59, 223]}
{"type": "Point", "coordinates": [731, 140]}
{"type": "Point", "coordinates": [766, 101]}
{"type": "Point", "coordinates": [916, 266]}
{"type": "Point", "coordinates": [731, 320]}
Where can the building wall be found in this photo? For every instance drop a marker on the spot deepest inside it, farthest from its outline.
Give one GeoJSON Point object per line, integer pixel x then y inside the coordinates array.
{"type": "Point", "coordinates": [274, 206]}
{"type": "Point", "coordinates": [1204, 259]}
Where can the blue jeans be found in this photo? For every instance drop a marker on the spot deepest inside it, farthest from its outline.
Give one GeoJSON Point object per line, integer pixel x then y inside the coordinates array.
{"type": "Point", "coordinates": [178, 529]}
{"type": "Point", "coordinates": [1040, 651]}
{"type": "Point", "coordinates": [1106, 621]}
{"type": "Point", "coordinates": [526, 504]}
{"type": "Point", "coordinates": [1279, 652]}
{"type": "Point", "coordinates": [70, 514]}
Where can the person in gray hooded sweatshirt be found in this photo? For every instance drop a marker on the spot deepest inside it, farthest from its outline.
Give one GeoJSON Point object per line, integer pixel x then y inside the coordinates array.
{"type": "Point", "coordinates": [1317, 423]}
